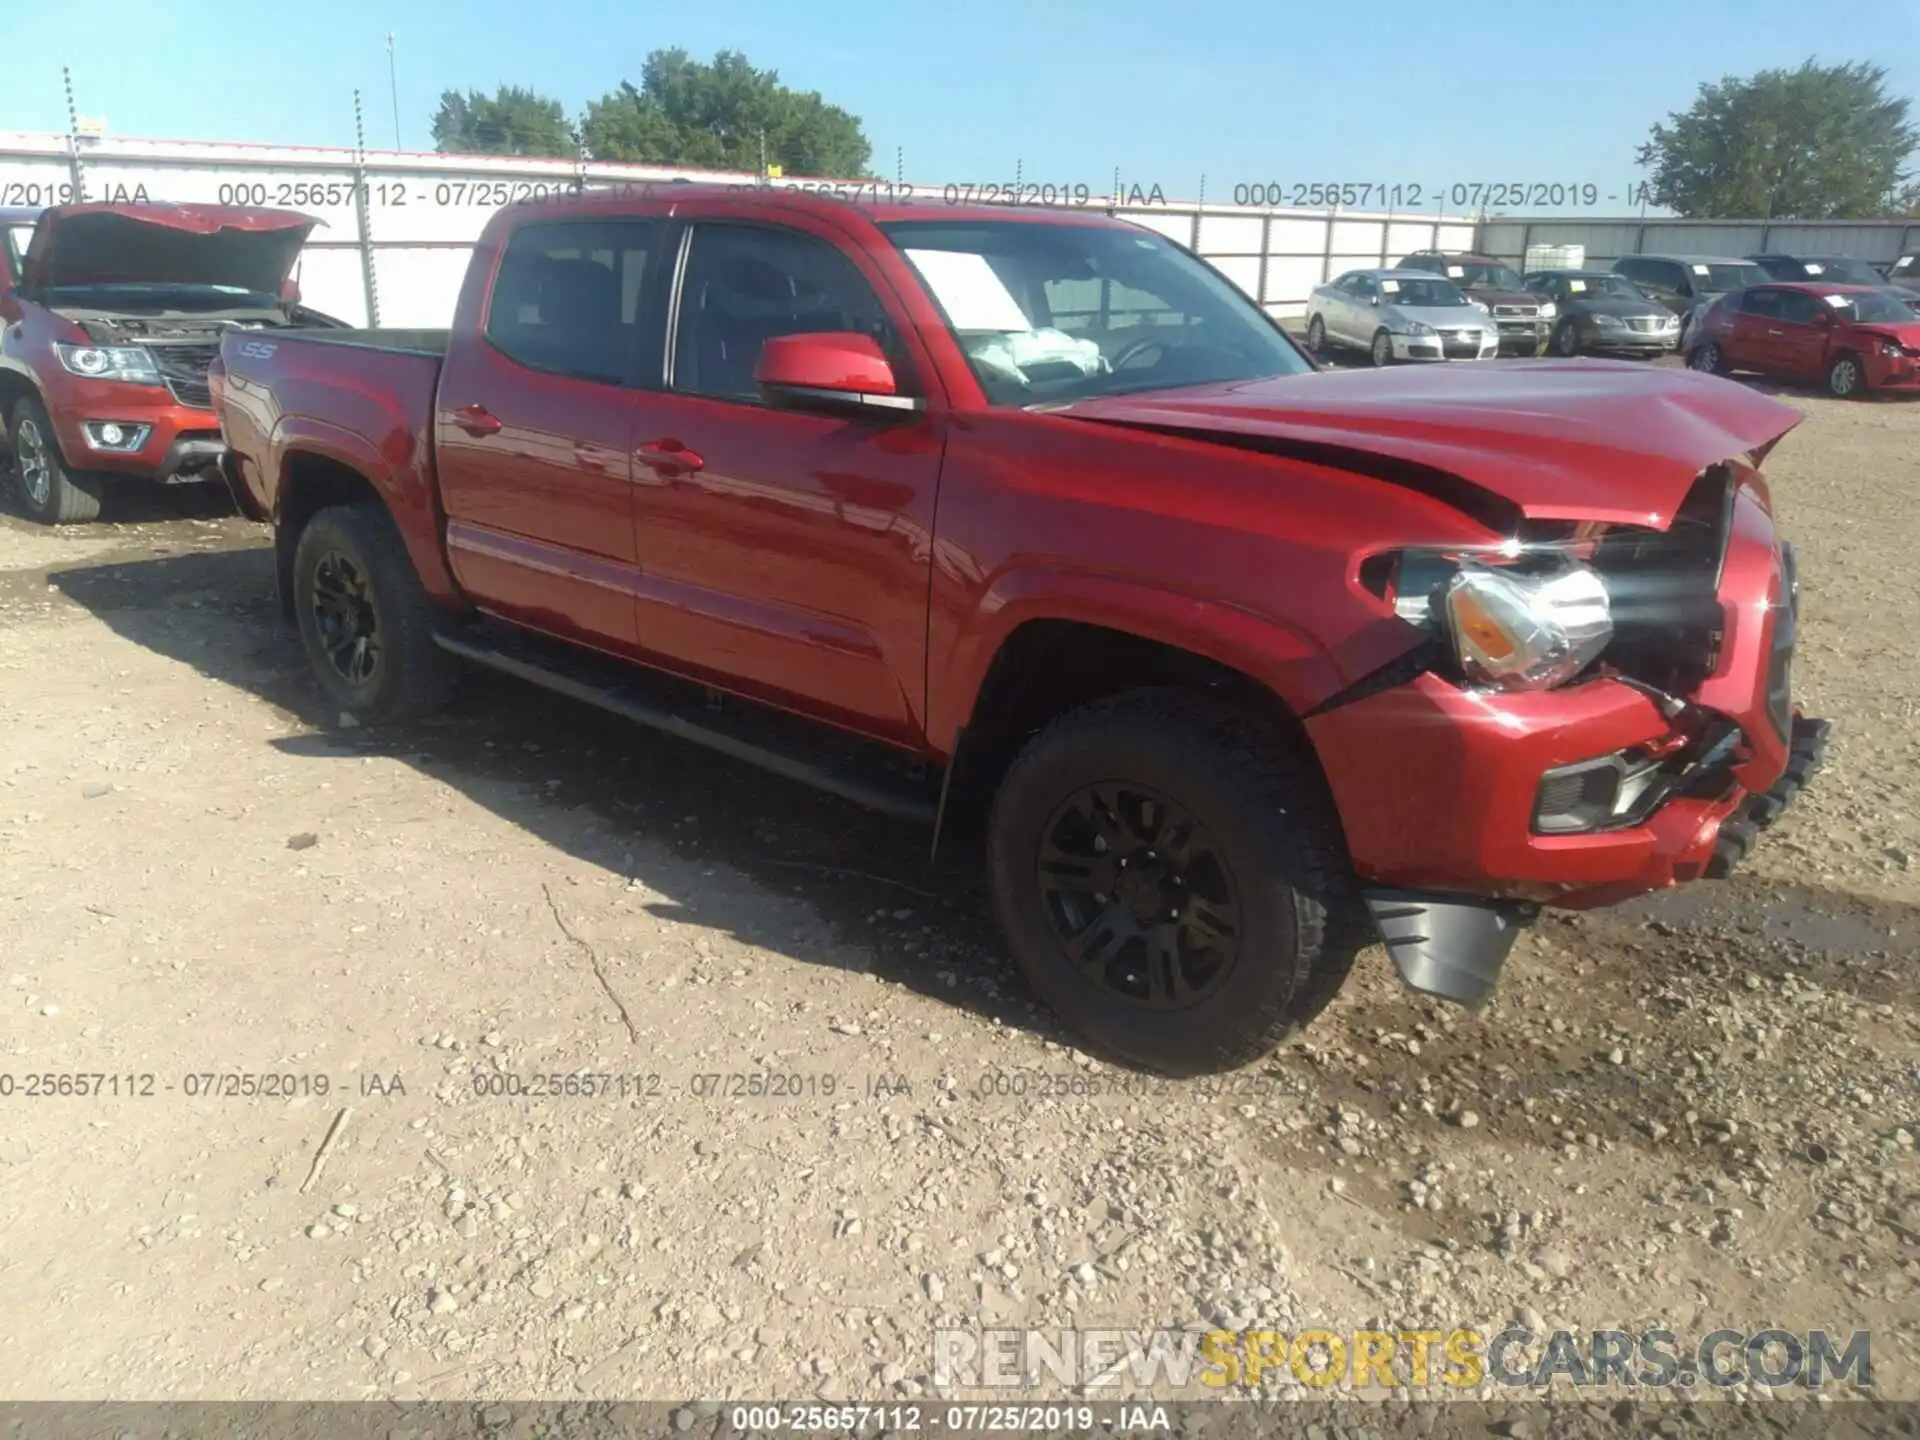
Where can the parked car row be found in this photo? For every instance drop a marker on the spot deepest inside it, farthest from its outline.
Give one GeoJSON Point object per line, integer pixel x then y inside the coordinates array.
{"type": "Point", "coordinates": [1436, 306]}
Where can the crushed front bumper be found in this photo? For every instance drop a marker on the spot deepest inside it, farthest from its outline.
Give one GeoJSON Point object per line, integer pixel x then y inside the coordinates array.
{"type": "Point", "coordinates": [1454, 946]}
{"type": "Point", "coordinates": [1456, 842]}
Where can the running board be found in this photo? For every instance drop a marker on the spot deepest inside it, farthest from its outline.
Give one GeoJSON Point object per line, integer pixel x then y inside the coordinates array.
{"type": "Point", "coordinates": [755, 735]}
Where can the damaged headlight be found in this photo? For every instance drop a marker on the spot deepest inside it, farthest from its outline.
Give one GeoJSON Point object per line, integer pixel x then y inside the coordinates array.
{"type": "Point", "coordinates": [110, 362]}
{"type": "Point", "coordinates": [1514, 621]}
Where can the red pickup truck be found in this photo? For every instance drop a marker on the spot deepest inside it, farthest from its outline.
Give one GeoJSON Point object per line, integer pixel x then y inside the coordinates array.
{"type": "Point", "coordinates": [108, 328]}
{"type": "Point", "coordinates": [1032, 517]}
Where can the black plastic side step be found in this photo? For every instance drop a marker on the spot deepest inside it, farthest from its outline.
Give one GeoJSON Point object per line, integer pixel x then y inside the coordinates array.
{"type": "Point", "coordinates": [1741, 830]}
{"type": "Point", "coordinates": [855, 770]}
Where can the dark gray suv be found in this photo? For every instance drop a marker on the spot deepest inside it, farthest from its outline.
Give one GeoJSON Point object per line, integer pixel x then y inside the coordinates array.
{"type": "Point", "coordinates": [1687, 284]}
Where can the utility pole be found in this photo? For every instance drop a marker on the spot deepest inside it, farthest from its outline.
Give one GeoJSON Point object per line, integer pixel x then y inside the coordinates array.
{"type": "Point", "coordinates": [393, 87]}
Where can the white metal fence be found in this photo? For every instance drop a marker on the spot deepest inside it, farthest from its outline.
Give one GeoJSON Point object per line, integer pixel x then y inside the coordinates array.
{"type": "Point", "coordinates": [398, 225]}
{"type": "Point", "coordinates": [1875, 241]}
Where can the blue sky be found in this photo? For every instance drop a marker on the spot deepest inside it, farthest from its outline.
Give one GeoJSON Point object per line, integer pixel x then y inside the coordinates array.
{"type": "Point", "coordinates": [1167, 90]}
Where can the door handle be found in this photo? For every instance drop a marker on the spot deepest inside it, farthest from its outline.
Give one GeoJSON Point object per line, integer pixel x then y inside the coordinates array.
{"type": "Point", "coordinates": [668, 456]}
{"type": "Point", "coordinates": [476, 420]}
{"type": "Point", "coordinates": [1776, 332]}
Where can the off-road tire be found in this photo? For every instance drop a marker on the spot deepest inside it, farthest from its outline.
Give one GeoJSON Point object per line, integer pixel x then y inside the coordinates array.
{"type": "Point", "coordinates": [1846, 377]}
{"type": "Point", "coordinates": [412, 675]}
{"type": "Point", "coordinates": [1317, 337]}
{"type": "Point", "coordinates": [1381, 360]}
{"type": "Point", "coordinates": [1266, 807]}
{"type": "Point", "coordinates": [58, 495]}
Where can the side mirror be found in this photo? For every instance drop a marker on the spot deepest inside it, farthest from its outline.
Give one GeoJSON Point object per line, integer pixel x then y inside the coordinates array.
{"type": "Point", "coordinates": [830, 370]}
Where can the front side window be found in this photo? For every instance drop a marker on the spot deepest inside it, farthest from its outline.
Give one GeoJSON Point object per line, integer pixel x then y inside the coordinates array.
{"type": "Point", "coordinates": [1047, 312]}
{"type": "Point", "coordinates": [14, 238]}
{"type": "Point", "coordinates": [567, 297]}
{"type": "Point", "coordinates": [748, 284]}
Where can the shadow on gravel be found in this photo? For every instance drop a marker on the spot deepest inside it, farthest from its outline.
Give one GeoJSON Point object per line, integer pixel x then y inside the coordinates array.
{"type": "Point", "coordinates": [537, 758]}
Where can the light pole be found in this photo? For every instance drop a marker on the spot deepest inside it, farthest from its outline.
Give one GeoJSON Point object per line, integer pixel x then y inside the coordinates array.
{"type": "Point", "coordinates": [393, 88]}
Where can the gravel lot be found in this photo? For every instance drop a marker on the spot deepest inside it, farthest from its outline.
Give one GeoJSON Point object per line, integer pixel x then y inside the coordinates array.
{"type": "Point", "coordinates": [1696, 1111]}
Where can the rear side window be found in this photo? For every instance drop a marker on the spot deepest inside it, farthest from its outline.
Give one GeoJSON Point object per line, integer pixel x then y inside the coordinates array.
{"type": "Point", "coordinates": [1765, 303]}
{"type": "Point", "coordinates": [568, 297]}
{"type": "Point", "coordinates": [1799, 307]}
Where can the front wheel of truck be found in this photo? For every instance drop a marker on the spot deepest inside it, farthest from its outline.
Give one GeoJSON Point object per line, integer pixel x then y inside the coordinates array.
{"type": "Point", "coordinates": [365, 619]}
{"type": "Point", "coordinates": [1171, 878]}
{"type": "Point", "coordinates": [50, 492]}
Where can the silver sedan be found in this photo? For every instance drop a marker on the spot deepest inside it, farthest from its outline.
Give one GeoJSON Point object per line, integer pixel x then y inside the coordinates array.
{"type": "Point", "coordinates": [1400, 315]}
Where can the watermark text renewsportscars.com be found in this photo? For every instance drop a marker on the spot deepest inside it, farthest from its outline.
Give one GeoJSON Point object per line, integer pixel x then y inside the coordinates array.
{"type": "Point", "coordinates": [1215, 1362]}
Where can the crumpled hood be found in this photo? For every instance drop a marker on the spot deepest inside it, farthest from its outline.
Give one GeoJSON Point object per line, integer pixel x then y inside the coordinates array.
{"type": "Point", "coordinates": [1908, 333]}
{"type": "Point", "coordinates": [1556, 440]}
{"type": "Point", "coordinates": [254, 249]}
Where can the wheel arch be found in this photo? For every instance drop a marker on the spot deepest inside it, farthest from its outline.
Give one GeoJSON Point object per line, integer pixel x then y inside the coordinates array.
{"type": "Point", "coordinates": [318, 469]}
{"type": "Point", "coordinates": [1043, 661]}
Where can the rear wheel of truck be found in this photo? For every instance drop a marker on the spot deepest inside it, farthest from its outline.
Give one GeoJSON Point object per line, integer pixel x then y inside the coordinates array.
{"type": "Point", "coordinates": [51, 493]}
{"type": "Point", "coordinates": [366, 621]}
{"type": "Point", "coordinates": [1171, 879]}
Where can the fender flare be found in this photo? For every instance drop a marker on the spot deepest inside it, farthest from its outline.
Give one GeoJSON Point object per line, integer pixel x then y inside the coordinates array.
{"type": "Point", "coordinates": [398, 480]}
{"type": "Point", "coordinates": [1290, 664]}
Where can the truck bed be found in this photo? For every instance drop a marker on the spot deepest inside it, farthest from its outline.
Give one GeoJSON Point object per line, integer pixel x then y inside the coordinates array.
{"type": "Point", "coordinates": [410, 342]}
{"type": "Point", "coordinates": [376, 386]}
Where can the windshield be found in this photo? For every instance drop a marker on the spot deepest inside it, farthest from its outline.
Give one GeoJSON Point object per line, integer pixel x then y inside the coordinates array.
{"type": "Point", "coordinates": [157, 298]}
{"type": "Point", "coordinates": [1842, 272]}
{"type": "Point", "coordinates": [1048, 312]}
{"type": "Point", "coordinates": [1421, 294]}
{"type": "Point", "coordinates": [1874, 309]}
{"type": "Point", "coordinates": [1611, 287]}
{"type": "Point", "coordinates": [1719, 279]}
{"type": "Point", "coordinates": [1494, 277]}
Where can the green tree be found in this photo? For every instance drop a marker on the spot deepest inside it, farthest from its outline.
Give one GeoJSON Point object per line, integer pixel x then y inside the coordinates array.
{"type": "Point", "coordinates": [1824, 142]}
{"type": "Point", "coordinates": [723, 116]}
{"type": "Point", "coordinates": [511, 121]}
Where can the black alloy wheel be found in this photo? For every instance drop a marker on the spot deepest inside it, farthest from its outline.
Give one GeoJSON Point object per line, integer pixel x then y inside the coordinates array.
{"type": "Point", "coordinates": [1139, 895]}
{"type": "Point", "coordinates": [345, 618]}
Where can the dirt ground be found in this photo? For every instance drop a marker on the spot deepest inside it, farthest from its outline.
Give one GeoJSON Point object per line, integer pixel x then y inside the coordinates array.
{"type": "Point", "coordinates": [1695, 1112]}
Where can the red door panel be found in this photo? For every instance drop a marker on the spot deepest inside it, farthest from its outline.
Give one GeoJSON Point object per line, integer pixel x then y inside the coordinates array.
{"type": "Point", "coordinates": [784, 553]}
{"type": "Point", "coordinates": [793, 561]}
{"type": "Point", "coordinates": [534, 433]}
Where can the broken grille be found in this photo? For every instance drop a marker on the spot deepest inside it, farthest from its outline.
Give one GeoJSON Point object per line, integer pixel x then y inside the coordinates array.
{"type": "Point", "coordinates": [184, 369]}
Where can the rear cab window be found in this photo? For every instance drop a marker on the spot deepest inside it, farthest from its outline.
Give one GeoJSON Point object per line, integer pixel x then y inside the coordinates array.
{"type": "Point", "coordinates": [567, 297]}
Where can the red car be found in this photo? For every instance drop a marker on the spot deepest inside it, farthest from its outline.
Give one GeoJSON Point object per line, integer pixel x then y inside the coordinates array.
{"type": "Point", "coordinates": [1032, 519]}
{"type": "Point", "coordinates": [107, 333]}
{"type": "Point", "coordinates": [1853, 339]}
